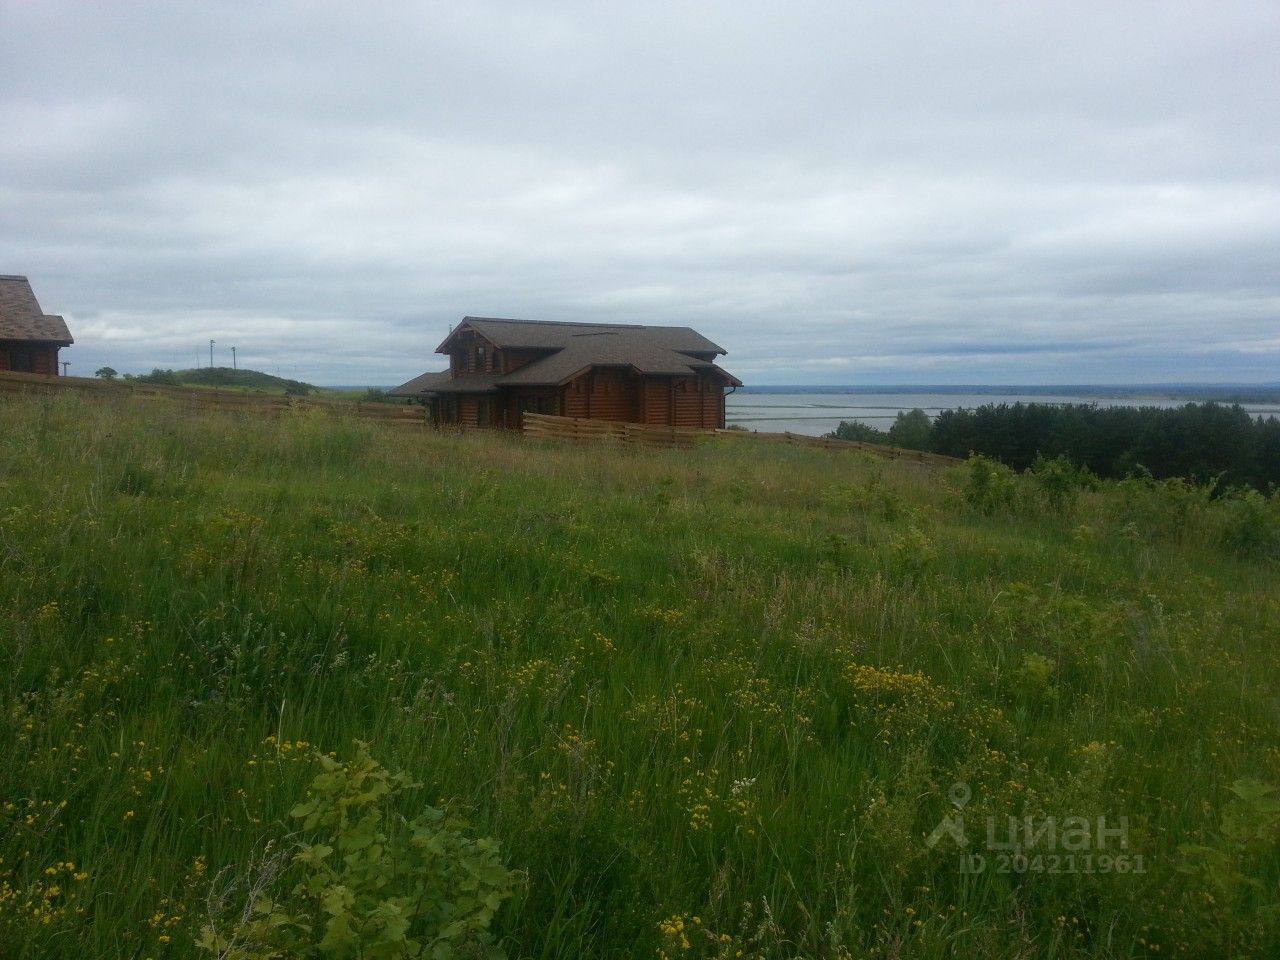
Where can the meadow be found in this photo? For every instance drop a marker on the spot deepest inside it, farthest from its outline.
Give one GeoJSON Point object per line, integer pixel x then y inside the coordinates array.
{"type": "Point", "coordinates": [735, 701]}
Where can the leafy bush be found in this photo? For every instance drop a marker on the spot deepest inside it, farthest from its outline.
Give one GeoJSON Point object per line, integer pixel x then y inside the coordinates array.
{"type": "Point", "coordinates": [1251, 524]}
{"type": "Point", "coordinates": [371, 884]}
{"type": "Point", "coordinates": [1233, 867]}
{"type": "Point", "coordinates": [1174, 507]}
{"type": "Point", "coordinates": [872, 497]}
{"type": "Point", "coordinates": [1058, 480]}
{"type": "Point", "coordinates": [857, 431]}
{"type": "Point", "coordinates": [989, 485]}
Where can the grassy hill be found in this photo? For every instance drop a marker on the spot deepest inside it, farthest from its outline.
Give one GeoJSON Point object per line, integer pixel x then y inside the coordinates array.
{"type": "Point", "coordinates": [731, 701]}
{"type": "Point", "coordinates": [226, 378]}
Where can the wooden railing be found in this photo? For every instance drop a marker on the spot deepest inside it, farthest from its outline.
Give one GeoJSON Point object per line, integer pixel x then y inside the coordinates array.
{"type": "Point", "coordinates": [580, 428]}
{"type": "Point", "coordinates": [540, 425]}
{"type": "Point", "coordinates": [202, 398]}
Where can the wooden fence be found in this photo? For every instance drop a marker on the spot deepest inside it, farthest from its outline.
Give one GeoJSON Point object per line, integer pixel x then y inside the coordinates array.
{"type": "Point", "coordinates": [542, 425]}
{"type": "Point", "coordinates": [201, 398]}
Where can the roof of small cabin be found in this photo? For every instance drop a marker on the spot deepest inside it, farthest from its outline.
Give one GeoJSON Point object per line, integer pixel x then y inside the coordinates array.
{"type": "Point", "coordinates": [574, 348]}
{"type": "Point", "coordinates": [21, 317]}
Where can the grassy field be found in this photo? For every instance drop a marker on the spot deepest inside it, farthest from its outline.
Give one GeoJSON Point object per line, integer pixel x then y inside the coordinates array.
{"type": "Point", "coordinates": [710, 703]}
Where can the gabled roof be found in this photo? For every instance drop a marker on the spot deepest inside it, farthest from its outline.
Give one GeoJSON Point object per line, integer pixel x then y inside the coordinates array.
{"type": "Point", "coordinates": [553, 335]}
{"type": "Point", "coordinates": [21, 317]}
{"type": "Point", "coordinates": [635, 349]}
{"type": "Point", "coordinates": [572, 349]}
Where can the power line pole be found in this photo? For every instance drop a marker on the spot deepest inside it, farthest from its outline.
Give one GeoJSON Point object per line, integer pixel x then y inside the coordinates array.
{"type": "Point", "coordinates": [65, 364]}
{"type": "Point", "coordinates": [233, 359]}
{"type": "Point", "coordinates": [210, 354]}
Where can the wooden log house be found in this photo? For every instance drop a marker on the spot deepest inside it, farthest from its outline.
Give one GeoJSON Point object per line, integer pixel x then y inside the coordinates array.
{"type": "Point", "coordinates": [500, 369]}
{"type": "Point", "coordinates": [29, 338]}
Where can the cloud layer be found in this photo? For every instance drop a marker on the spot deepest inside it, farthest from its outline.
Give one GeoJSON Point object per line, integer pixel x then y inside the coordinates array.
{"type": "Point", "coordinates": [837, 193]}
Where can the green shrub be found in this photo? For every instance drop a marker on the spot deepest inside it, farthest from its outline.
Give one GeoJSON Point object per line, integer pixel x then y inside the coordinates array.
{"type": "Point", "coordinates": [370, 884]}
{"type": "Point", "coordinates": [990, 486]}
{"type": "Point", "coordinates": [872, 498]}
{"type": "Point", "coordinates": [1250, 524]}
{"type": "Point", "coordinates": [857, 431]}
{"type": "Point", "coordinates": [1058, 480]}
{"type": "Point", "coordinates": [1236, 870]}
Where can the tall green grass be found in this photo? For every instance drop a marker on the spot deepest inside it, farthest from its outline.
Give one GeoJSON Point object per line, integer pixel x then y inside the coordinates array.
{"type": "Point", "coordinates": [711, 702]}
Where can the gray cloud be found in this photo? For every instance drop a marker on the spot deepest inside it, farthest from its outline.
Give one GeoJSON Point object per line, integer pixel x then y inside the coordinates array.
{"type": "Point", "coordinates": [842, 193]}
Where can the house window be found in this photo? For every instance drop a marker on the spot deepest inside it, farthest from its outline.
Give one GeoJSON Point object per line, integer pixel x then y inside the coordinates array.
{"type": "Point", "coordinates": [479, 367]}
{"type": "Point", "coordinates": [20, 361]}
{"type": "Point", "coordinates": [497, 362]}
{"type": "Point", "coordinates": [482, 410]}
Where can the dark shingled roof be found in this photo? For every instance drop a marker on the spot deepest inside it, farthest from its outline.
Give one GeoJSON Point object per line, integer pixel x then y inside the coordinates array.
{"type": "Point", "coordinates": [576, 347]}
{"type": "Point", "coordinates": [21, 317]}
{"type": "Point", "coordinates": [550, 335]}
{"type": "Point", "coordinates": [432, 382]}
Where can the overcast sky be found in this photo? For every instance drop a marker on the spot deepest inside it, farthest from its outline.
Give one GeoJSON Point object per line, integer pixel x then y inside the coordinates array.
{"type": "Point", "coordinates": [853, 193]}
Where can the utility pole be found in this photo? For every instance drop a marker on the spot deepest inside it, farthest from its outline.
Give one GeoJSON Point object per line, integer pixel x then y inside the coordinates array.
{"type": "Point", "coordinates": [65, 364]}
{"type": "Point", "coordinates": [233, 359]}
{"type": "Point", "coordinates": [210, 354]}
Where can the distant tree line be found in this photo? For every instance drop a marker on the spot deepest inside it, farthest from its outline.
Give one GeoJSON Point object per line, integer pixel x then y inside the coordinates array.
{"type": "Point", "coordinates": [1198, 441]}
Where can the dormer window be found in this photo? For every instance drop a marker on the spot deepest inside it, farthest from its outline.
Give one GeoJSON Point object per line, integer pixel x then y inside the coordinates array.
{"type": "Point", "coordinates": [479, 367]}
{"type": "Point", "coordinates": [497, 361]}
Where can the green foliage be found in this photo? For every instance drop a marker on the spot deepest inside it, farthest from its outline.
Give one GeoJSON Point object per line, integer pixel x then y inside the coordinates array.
{"type": "Point", "coordinates": [1250, 524]}
{"type": "Point", "coordinates": [371, 884]}
{"type": "Point", "coordinates": [1035, 676]}
{"type": "Point", "coordinates": [1166, 508]}
{"type": "Point", "coordinates": [911, 430]}
{"type": "Point", "coordinates": [1058, 480]}
{"type": "Point", "coordinates": [106, 373]}
{"type": "Point", "coordinates": [989, 486]}
{"type": "Point", "coordinates": [137, 481]}
{"type": "Point", "coordinates": [1238, 867]}
{"type": "Point", "coordinates": [164, 378]}
{"type": "Point", "coordinates": [856, 430]}
{"type": "Point", "coordinates": [913, 550]}
{"type": "Point", "coordinates": [1197, 441]}
{"type": "Point", "coordinates": [873, 497]}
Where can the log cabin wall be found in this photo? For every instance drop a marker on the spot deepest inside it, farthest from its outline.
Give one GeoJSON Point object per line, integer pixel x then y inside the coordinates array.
{"type": "Point", "coordinates": [687, 402]}
{"type": "Point", "coordinates": [712, 402]}
{"type": "Point", "coordinates": [22, 356]}
{"type": "Point", "coordinates": [604, 394]}
{"type": "Point", "coordinates": [613, 395]}
{"type": "Point", "coordinates": [575, 396]}
{"type": "Point", "coordinates": [657, 400]}
{"type": "Point", "coordinates": [513, 360]}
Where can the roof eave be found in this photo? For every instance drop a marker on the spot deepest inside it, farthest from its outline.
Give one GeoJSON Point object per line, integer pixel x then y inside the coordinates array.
{"type": "Point", "coordinates": [466, 324]}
